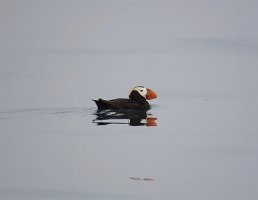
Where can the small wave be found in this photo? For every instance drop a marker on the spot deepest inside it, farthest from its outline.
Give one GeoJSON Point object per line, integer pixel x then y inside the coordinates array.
{"type": "Point", "coordinates": [16, 113]}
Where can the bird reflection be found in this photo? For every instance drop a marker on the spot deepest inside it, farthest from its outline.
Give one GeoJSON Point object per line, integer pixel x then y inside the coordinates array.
{"type": "Point", "coordinates": [133, 117]}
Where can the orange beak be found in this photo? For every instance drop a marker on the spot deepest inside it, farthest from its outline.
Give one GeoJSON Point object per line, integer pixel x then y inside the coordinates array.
{"type": "Point", "coordinates": [151, 94]}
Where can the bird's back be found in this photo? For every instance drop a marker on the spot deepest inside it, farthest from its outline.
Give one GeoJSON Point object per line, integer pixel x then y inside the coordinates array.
{"type": "Point", "coordinates": [121, 103]}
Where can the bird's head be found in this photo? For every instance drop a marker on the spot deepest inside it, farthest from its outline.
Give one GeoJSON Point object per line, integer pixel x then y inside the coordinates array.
{"type": "Point", "coordinates": [146, 93]}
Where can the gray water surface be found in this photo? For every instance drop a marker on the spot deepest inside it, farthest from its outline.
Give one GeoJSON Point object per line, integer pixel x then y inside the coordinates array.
{"type": "Point", "coordinates": [201, 58]}
{"type": "Point", "coordinates": [200, 147]}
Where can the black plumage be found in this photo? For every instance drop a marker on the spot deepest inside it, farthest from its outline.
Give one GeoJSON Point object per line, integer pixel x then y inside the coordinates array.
{"type": "Point", "coordinates": [121, 103]}
{"type": "Point", "coordinates": [136, 101]}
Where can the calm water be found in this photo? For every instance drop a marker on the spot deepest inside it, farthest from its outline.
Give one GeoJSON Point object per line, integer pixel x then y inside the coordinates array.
{"type": "Point", "coordinates": [201, 58]}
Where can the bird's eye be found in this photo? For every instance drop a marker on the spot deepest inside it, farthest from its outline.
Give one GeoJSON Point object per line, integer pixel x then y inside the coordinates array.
{"type": "Point", "coordinates": [141, 90]}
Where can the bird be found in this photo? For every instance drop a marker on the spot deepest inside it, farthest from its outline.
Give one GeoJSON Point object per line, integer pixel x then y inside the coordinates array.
{"type": "Point", "coordinates": [137, 100]}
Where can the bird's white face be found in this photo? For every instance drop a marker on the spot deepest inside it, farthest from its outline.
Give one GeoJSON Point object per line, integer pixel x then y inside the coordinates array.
{"type": "Point", "coordinates": [141, 90]}
{"type": "Point", "coordinates": [145, 92]}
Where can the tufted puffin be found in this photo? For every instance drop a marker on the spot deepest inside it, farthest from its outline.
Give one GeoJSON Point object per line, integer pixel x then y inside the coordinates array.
{"type": "Point", "coordinates": [138, 97]}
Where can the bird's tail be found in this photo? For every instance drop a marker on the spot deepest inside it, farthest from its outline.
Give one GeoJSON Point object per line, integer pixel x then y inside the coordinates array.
{"type": "Point", "coordinates": [99, 103]}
